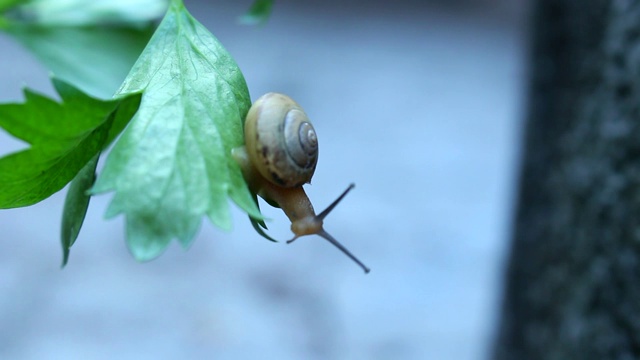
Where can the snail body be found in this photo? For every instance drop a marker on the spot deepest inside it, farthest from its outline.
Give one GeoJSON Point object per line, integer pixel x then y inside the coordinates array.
{"type": "Point", "coordinates": [279, 156]}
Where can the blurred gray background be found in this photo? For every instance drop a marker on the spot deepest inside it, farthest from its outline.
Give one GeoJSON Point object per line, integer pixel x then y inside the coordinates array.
{"type": "Point", "coordinates": [419, 103]}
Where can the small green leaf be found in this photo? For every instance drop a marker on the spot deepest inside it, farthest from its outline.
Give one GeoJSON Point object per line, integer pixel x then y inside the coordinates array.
{"type": "Point", "coordinates": [258, 227]}
{"type": "Point", "coordinates": [258, 13]}
{"type": "Point", "coordinates": [4, 23]}
{"type": "Point", "coordinates": [75, 206]}
{"type": "Point", "coordinates": [63, 137]}
{"type": "Point", "coordinates": [259, 224]}
{"type": "Point", "coordinates": [173, 163]}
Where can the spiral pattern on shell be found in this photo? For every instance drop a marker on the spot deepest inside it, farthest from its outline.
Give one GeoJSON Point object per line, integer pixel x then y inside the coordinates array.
{"type": "Point", "coordinates": [281, 141]}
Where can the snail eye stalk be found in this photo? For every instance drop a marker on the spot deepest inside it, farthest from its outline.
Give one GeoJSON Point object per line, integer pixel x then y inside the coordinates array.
{"type": "Point", "coordinates": [335, 243]}
{"type": "Point", "coordinates": [329, 208]}
{"type": "Point", "coordinates": [330, 238]}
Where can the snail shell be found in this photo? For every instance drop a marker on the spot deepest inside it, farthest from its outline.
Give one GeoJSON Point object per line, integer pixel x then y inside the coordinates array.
{"type": "Point", "coordinates": [280, 140]}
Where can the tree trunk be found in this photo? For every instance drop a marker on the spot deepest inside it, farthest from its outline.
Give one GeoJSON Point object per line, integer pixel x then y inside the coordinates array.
{"type": "Point", "coordinates": [573, 278]}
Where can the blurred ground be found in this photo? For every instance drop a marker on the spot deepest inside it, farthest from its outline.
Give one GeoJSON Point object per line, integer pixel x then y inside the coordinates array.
{"type": "Point", "coordinates": [417, 103]}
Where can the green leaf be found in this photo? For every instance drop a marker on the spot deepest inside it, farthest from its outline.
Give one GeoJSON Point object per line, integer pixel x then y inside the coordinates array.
{"type": "Point", "coordinates": [75, 206]}
{"type": "Point", "coordinates": [173, 163]}
{"type": "Point", "coordinates": [87, 12]}
{"type": "Point", "coordinates": [258, 13]}
{"type": "Point", "coordinates": [63, 137]}
{"type": "Point", "coordinates": [95, 59]}
{"type": "Point", "coordinates": [92, 44]}
{"type": "Point", "coordinates": [8, 4]}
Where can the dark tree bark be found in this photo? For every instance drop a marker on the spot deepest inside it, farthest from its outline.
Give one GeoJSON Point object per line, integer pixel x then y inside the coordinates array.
{"type": "Point", "coordinates": [573, 278]}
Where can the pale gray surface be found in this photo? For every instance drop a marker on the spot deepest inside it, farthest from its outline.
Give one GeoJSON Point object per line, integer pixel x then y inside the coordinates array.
{"type": "Point", "coordinates": [419, 107]}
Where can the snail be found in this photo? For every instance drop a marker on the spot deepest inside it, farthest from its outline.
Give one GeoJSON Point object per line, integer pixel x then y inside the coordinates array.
{"type": "Point", "coordinates": [279, 156]}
